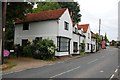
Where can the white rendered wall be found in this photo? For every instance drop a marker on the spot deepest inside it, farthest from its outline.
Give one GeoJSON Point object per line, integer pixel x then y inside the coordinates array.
{"type": "Point", "coordinates": [63, 32]}
{"type": "Point", "coordinates": [75, 38]}
{"type": "Point", "coordinates": [47, 29]}
{"type": "Point", "coordinates": [88, 40]}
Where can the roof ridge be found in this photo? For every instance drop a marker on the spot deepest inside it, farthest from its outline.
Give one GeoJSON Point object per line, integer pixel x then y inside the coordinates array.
{"type": "Point", "coordinates": [43, 15]}
{"type": "Point", "coordinates": [48, 10]}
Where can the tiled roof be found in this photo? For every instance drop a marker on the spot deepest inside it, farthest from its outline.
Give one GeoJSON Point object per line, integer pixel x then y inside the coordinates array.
{"type": "Point", "coordinates": [93, 34]}
{"type": "Point", "coordinates": [42, 16]}
{"type": "Point", "coordinates": [84, 26]}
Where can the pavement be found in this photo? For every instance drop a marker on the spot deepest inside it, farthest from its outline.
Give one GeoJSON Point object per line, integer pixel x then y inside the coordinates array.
{"type": "Point", "coordinates": [102, 65]}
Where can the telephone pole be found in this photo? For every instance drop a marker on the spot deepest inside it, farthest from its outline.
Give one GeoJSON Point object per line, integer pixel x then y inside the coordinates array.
{"type": "Point", "coordinates": [99, 26]}
{"type": "Point", "coordinates": [99, 34]}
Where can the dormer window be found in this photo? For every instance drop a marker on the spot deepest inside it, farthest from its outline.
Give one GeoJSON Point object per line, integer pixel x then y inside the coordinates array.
{"type": "Point", "coordinates": [26, 26]}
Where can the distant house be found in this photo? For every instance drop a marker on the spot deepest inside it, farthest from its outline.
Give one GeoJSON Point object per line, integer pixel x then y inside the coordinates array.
{"type": "Point", "coordinates": [52, 24]}
{"type": "Point", "coordinates": [87, 33]}
{"type": "Point", "coordinates": [81, 37]}
{"type": "Point", "coordinates": [93, 42]}
{"type": "Point", "coordinates": [75, 40]}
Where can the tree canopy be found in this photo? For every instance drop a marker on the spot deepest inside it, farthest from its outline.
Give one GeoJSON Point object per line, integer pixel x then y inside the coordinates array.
{"type": "Point", "coordinates": [15, 10]}
{"type": "Point", "coordinates": [73, 8]}
{"type": "Point", "coordinates": [106, 39]}
{"type": "Point", "coordinates": [43, 6]}
{"type": "Point", "coordinates": [99, 40]}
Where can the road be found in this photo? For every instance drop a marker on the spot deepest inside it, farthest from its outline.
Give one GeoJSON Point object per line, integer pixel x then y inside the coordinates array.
{"type": "Point", "coordinates": [102, 64]}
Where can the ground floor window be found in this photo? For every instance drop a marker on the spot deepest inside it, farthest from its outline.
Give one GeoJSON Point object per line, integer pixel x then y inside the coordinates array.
{"type": "Point", "coordinates": [75, 46]}
{"type": "Point", "coordinates": [38, 38]}
{"type": "Point", "coordinates": [63, 44]}
{"type": "Point", "coordinates": [24, 42]}
{"type": "Point", "coordinates": [87, 46]}
{"type": "Point", "coordinates": [92, 47]}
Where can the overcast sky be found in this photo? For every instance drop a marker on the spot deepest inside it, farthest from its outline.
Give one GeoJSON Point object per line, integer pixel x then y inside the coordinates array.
{"type": "Point", "coordinates": [107, 10]}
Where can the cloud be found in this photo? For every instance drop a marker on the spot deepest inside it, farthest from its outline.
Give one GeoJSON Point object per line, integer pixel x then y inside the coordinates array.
{"type": "Point", "coordinates": [107, 10]}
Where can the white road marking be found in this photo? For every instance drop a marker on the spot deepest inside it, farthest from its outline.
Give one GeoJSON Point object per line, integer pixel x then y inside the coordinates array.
{"type": "Point", "coordinates": [65, 72]}
{"type": "Point", "coordinates": [92, 61]}
{"type": "Point", "coordinates": [111, 77]}
{"type": "Point", "coordinates": [113, 74]}
{"type": "Point", "coordinates": [116, 70]}
{"type": "Point", "coordinates": [101, 71]}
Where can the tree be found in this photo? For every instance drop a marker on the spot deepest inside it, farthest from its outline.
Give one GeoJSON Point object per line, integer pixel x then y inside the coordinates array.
{"type": "Point", "coordinates": [113, 43]}
{"type": "Point", "coordinates": [99, 40]}
{"type": "Point", "coordinates": [15, 10]}
{"type": "Point", "coordinates": [44, 6]}
{"type": "Point", "coordinates": [74, 9]}
{"type": "Point", "coordinates": [106, 39]}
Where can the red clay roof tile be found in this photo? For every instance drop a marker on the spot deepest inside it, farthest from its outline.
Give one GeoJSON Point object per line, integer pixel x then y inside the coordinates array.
{"type": "Point", "coordinates": [84, 26]}
{"type": "Point", "coordinates": [92, 34]}
{"type": "Point", "coordinates": [42, 16]}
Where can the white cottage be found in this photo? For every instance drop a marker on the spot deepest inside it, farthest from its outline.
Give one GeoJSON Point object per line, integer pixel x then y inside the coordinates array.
{"type": "Point", "coordinates": [52, 24]}
{"type": "Point", "coordinates": [87, 33]}
{"type": "Point", "coordinates": [75, 40]}
{"type": "Point", "coordinates": [82, 36]}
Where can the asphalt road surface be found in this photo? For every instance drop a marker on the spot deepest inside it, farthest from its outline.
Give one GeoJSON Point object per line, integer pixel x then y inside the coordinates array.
{"type": "Point", "coordinates": [102, 64]}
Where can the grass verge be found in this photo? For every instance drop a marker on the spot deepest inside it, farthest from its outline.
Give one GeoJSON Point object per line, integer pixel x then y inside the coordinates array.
{"type": "Point", "coordinates": [82, 54]}
{"type": "Point", "coordinates": [8, 64]}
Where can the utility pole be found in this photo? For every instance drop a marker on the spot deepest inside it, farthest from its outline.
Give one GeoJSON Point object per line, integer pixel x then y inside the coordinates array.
{"type": "Point", "coordinates": [99, 33]}
{"type": "Point", "coordinates": [99, 26]}
{"type": "Point", "coordinates": [0, 32]}
{"type": "Point", "coordinates": [4, 6]}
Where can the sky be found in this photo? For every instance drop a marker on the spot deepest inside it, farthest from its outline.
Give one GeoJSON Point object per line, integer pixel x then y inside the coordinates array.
{"type": "Point", "coordinates": [106, 10]}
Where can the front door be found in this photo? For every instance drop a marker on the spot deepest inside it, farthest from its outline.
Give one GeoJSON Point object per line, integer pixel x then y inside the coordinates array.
{"type": "Point", "coordinates": [91, 48]}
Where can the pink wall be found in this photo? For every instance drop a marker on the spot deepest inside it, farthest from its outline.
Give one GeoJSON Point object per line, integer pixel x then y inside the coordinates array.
{"type": "Point", "coordinates": [103, 44]}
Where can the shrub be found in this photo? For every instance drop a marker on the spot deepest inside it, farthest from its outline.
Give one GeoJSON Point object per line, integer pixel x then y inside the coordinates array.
{"type": "Point", "coordinates": [82, 54]}
{"type": "Point", "coordinates": [27, 51]}
{"type": "Point", "coordinates": [83, 46]}
{"type": "Point", "coordinates": [43, 49]}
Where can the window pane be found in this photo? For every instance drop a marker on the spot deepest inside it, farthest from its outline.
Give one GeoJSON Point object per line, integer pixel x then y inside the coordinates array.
{"type": "Point", "coordinates": [24, 42]}
{"type": "Point", "coordinates": [75, 46]}
{"type": "Point", "coordinates": [66, 25]}
{"type": "Point", "coordinates": [26, 26]}
{"type": "Point", "coordinates": [63, 44]}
